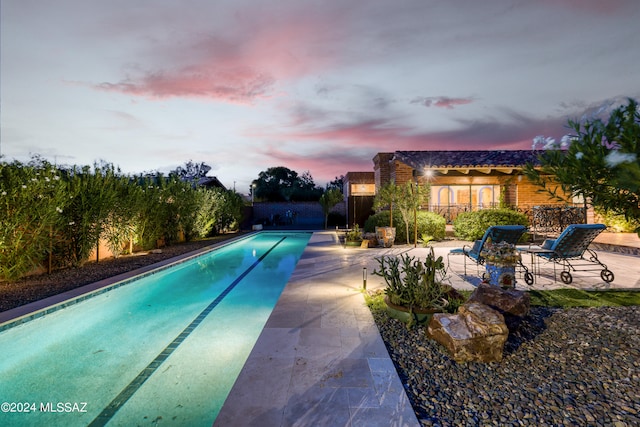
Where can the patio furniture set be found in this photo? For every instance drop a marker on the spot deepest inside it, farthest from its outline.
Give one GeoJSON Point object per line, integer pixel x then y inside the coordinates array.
{"type": "Point", "coordinates": [569, 252]}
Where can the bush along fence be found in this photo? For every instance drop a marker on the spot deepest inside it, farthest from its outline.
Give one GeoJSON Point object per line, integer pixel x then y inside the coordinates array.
{"type": "Point", "coordinates": [55, 216]}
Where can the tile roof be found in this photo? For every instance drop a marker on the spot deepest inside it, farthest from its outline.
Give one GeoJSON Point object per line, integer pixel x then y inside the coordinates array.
{"type": "Point", "coordinates": [467, 159]}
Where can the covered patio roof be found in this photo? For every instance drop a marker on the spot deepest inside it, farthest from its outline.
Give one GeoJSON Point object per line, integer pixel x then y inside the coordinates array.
{"type": "Point", "coordinates": [474, 162]}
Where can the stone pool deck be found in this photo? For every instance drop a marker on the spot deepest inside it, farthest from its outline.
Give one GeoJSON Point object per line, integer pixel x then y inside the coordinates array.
{"type": "Point", "coordinates": [320, 360]}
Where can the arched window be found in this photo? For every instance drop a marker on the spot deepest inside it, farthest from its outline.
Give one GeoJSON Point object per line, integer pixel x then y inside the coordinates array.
{"type": "Point", "coordinates": [445, 196]}
{"type": "Point", "coordinates": [486, 195]}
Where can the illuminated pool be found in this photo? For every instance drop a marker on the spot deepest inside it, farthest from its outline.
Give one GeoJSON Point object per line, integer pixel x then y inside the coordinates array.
{"type": "Point", "coordinates": [162, 349]}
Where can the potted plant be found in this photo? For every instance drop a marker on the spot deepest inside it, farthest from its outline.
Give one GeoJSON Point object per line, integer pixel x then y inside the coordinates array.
{"type": "Point", "coordinates": [414, 288]}
{"type": "Point", "coordinates": [500, 261]}
{"type": "Point", "coordinates": [353, 237]}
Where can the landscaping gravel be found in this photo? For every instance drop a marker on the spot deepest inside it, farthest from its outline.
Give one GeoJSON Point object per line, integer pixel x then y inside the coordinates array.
{"type": "Point", "coordinates": [563, 367]}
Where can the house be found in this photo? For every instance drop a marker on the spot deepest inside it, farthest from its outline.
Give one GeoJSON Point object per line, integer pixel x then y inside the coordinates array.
{"type": "Point", "coordinates": [475, 179]}
{"type": "Point", "coordinates": [210, 182]}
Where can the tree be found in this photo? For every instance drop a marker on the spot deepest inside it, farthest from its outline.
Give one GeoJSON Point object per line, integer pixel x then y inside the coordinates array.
{"type": "Point", "coordinates": [32, 198]}
{"type": "Point", "coordinates": [328, 200]}
{"type": "Point", "coordinates": [279, 184]}
{"type": "Point", "coordinates": [191, 171]}
{"type": "Point", "coordinates": [275, 184]}
{"type": "Point", "coordinates": [600, 162]}
{"type": "Point", "coordinates": [388, 195]}
{"type": "Point", "coordinates": [92, 197]}
{"type": "Point", "coordinates": [305, 189]}
{"type": "Point", "coordinates": [410, 196]}
{"type": "Point", "coordinates": [337, 183]}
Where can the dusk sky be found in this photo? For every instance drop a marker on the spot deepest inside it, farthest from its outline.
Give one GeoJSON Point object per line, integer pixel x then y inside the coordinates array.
{"type": "Point", "coordinates": [318, 86]}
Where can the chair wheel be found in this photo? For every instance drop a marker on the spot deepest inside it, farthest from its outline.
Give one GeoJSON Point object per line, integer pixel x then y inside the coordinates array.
{"type": "Point", "coordinates": [528, 278]}
{"type": "Point", "coordinates": [607, 275]}
{"type": "Point", "coordinates": [566, 277]}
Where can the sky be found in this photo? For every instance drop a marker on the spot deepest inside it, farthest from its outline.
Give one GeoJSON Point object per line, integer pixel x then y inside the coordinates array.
{"type": "Point", "coordinates": [312, 85]}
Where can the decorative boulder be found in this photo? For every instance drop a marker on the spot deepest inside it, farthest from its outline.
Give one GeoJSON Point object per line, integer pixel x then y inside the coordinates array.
{"type": "Point", "coordinates": [476, 333]}
{"type": "Point", "coordinates": [512, 304]}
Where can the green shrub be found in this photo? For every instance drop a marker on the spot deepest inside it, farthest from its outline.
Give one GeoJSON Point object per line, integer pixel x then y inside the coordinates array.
{"type": "Point", "coordinates": [429, 224]}
{"type": "Point", "coordinates": [472, 225]}
{"type": "Point", "coordinates": [381, 219]}
{"type": "Point", "coordinates": [617, 222]}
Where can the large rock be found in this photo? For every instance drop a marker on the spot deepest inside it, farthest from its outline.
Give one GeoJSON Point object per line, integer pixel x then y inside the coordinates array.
{"type": "Point", "coordinates": [476, 333]}
{"type": "Point", "coordinates": [512, 304]}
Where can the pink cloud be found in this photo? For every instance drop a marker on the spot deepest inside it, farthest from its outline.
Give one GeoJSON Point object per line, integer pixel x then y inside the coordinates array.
{"type": "Point", "coordinates": [335, 149]}
{"type": "Point", "coordinates": [242, 66]}
{"type": "Point", "coordinates": [324, 164]}
{"type": "Point", "coordinates": [236, 86]}
{"type": "Point", "coordinates": [441, 101]}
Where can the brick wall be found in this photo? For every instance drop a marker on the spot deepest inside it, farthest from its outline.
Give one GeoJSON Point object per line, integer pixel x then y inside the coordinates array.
{"type": "Point", "coordinates": [401, 173]}
{"type": "Point", "coordinates": [381, 169]}
{"type": "Point", "coordinates": [528, 194]}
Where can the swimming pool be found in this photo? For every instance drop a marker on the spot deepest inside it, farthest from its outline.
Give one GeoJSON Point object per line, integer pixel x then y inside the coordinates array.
{"type": "Point", "coordinates": [162, 349]}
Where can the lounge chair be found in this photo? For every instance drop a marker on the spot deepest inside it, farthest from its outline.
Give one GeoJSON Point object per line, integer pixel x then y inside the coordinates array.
{"type": "Point", "coordinates": [496, 234]}
{"type": "Point", "coordinates": [571, 245]}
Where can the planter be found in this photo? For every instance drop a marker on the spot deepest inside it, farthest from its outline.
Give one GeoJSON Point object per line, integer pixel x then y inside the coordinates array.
{"type": "Point", "coordinates": [501, 275]}
{"type": "Point", "coordinates": [420, 316]}
{"type": "Point", "coordinates": [353, 243]}
{"type": "Point", "coordinates": [386, 236]}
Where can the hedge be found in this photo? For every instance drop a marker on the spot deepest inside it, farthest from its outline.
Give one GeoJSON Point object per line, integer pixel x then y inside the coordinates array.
{"type": "Point", "coordinates": [472, 225]}
{"type": "Point", "coordinates": [429, 224]}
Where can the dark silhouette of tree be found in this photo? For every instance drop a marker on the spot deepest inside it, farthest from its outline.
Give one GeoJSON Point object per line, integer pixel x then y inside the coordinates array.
{"type": "Point", "coordinates": [191, 171]}
{"type": "Point", "coordinates": [278, 184]}
{"type": "Point", "coordinates": [337, 183]}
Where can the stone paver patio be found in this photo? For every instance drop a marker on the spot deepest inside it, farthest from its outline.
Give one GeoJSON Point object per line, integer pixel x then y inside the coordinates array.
{"type": "Point", "coordinates": [320, 360]}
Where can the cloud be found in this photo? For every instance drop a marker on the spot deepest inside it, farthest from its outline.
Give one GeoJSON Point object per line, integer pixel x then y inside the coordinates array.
{"type": "Point", "coordinates": [441, 101]}
{"type": "Point", "coordinates": [323, 162]}
{"type": "Point", "coordinates": [231, 85]}
{"type": "Point", "coordinates": [240, 61]}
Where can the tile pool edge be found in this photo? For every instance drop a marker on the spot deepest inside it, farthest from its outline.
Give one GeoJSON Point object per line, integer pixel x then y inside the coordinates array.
{"type": "Point", "coordinates": [25, 313]}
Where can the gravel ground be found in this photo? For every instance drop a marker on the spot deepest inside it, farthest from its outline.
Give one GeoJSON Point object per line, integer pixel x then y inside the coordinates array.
{"type": "Point", "coordinates": [33, 288]}
{"type": "Point", "coordinates": [564, 367]}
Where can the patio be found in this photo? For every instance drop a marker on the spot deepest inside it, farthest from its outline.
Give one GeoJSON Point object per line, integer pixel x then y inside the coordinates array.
{"type": "Point", "coordinates": [320, 359]}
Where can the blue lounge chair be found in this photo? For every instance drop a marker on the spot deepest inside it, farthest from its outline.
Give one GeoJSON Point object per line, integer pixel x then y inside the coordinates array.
{"type": "Point", "coordinates": [496, 234]}
{"type": "Point", "coordinates": [571, 245]}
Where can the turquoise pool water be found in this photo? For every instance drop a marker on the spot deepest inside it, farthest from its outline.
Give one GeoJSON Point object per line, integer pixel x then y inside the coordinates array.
{"type": "Point", "coordinates": [162, 350]}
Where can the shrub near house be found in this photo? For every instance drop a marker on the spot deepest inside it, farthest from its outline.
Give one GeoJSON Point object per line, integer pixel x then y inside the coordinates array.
{"type": "Point", "coordinates": [429, 224]}
{"type": "Point", "coordinates": [472, 225]}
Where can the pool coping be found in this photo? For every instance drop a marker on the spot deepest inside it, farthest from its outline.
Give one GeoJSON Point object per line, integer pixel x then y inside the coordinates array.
{"type": "Point", "coordinates": [34, 310]}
